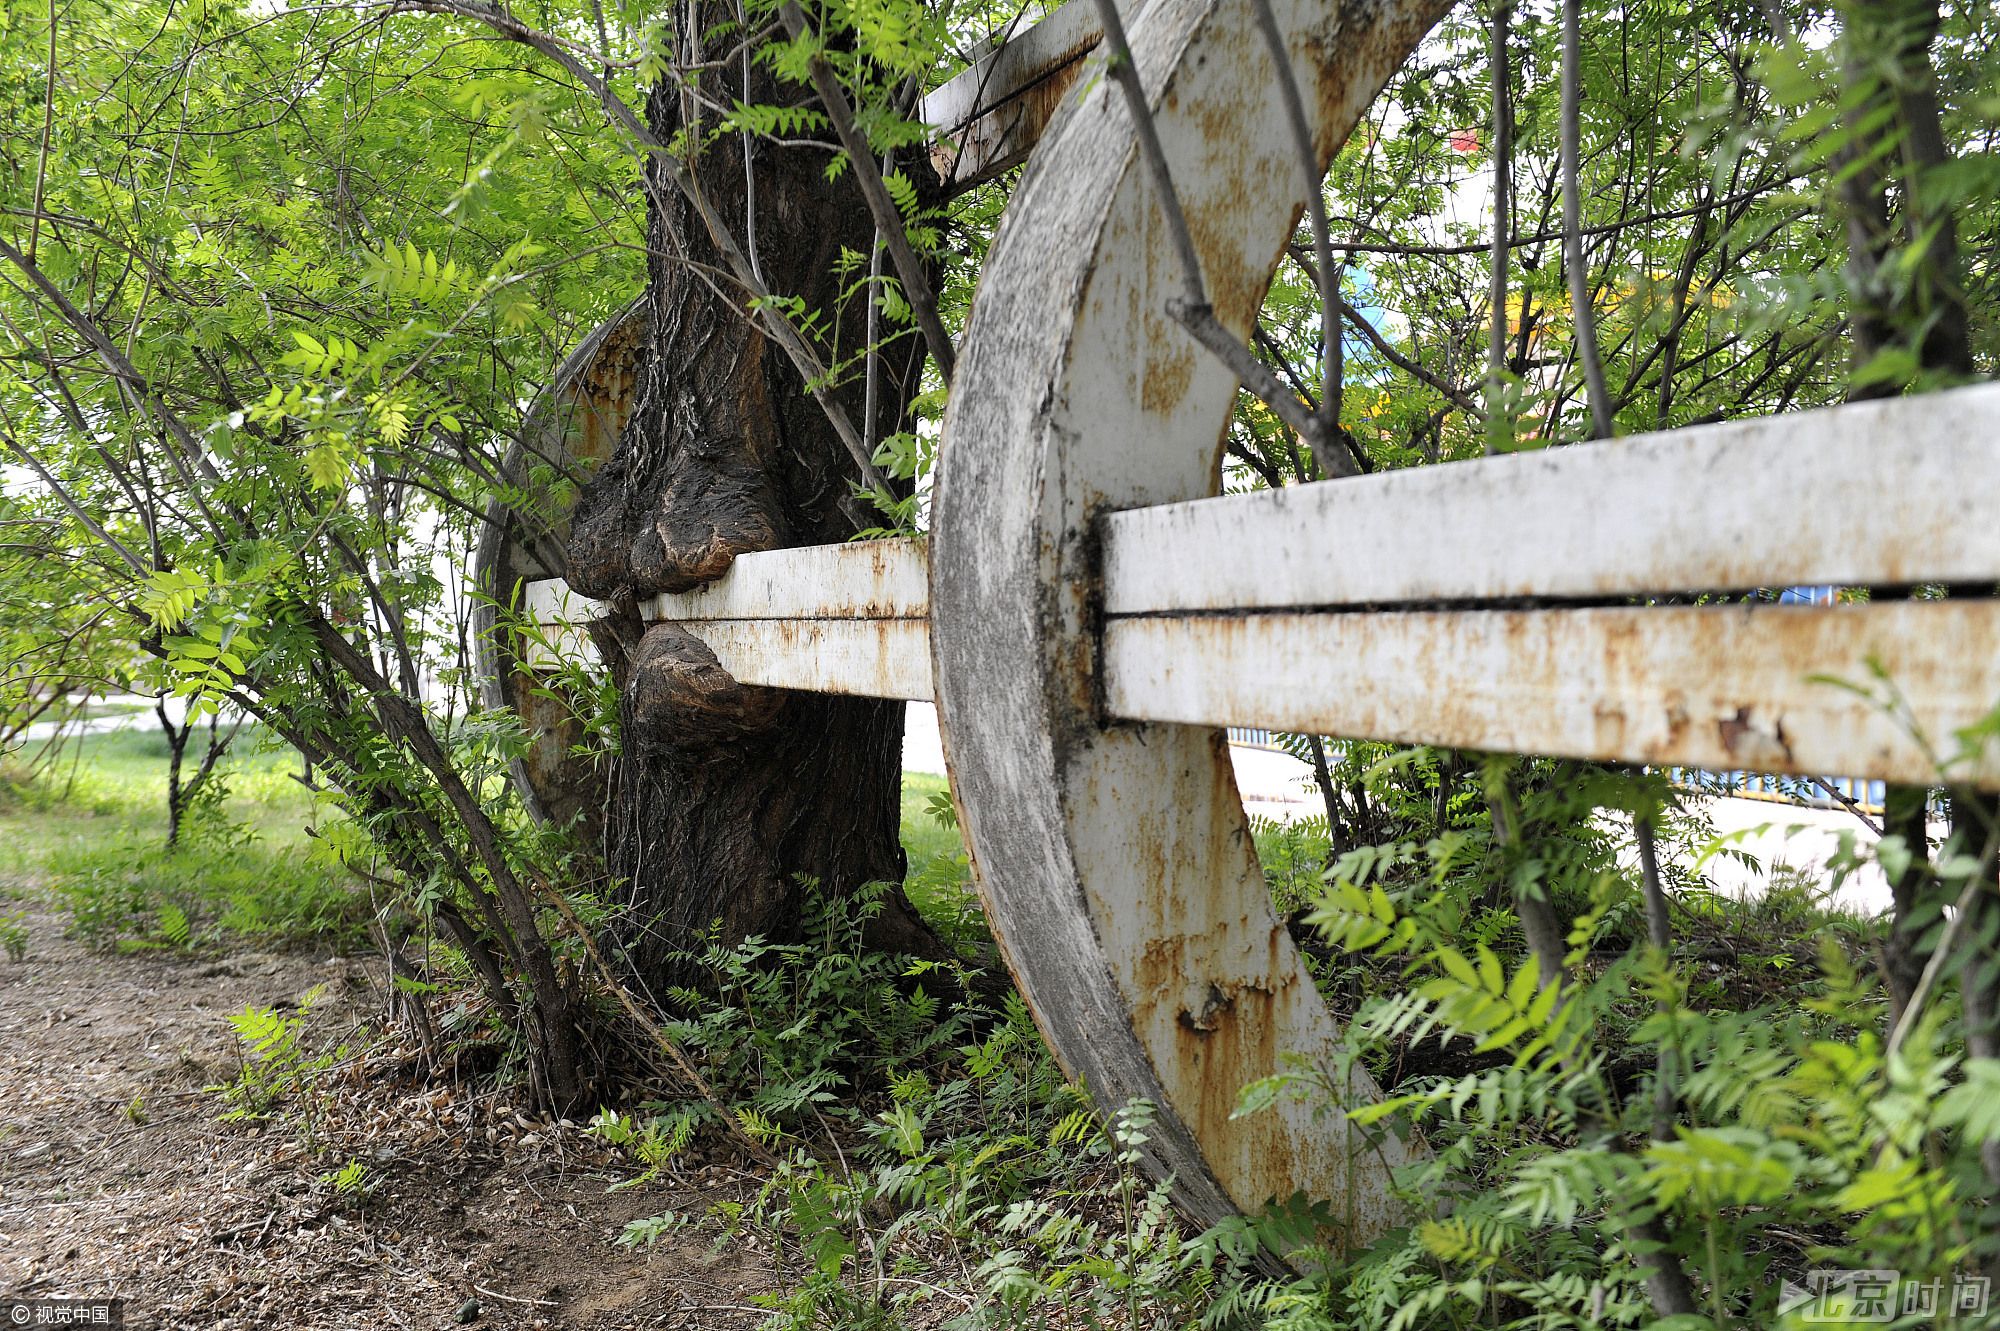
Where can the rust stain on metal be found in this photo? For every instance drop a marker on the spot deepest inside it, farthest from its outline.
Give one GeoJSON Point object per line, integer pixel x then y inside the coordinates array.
{"type": "Point", "coordinates": [872, 658]}
{"type": "Point", "coordinates": [602, 397]}
{"type": "Point", "coordinates": [884, 579]}
{"type": "Point", "coordinates": [1213, 982]}
{"type": "Point", "coordinates": [1862, 494]}
{"type": "Point", "coordinates": [1754, 748]}
{"type": "Point", "coordinates": [1713, 687]}
{"type": "Point", "coordinates": [1169, 371]}
{"type": "Point", "coordinates": [1205, 1021]}
{"type": "Point", "coordinates": [1001, 138]}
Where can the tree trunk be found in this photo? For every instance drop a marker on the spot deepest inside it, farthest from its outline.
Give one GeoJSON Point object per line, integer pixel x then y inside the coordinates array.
{"type": "Point", "coordinates": [1905, 813]}
{"type": "Point", "coordinates": [1929, 309]}
{"type": "Point", "coordinates": [177, 738]}
{"type": "Point", "coordinates": [728, 798]}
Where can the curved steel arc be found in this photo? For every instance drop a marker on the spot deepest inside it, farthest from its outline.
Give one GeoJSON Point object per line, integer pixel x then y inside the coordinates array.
{"type": "Point", "coordinates": [1115, 859]}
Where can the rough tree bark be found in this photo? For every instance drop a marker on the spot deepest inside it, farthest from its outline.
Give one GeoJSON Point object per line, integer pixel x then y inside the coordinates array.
{"type": "Point", "coordinates": [728, 797]}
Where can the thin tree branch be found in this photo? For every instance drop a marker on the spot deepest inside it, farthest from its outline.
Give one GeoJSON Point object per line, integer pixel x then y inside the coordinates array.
{"type": "Point", "coordinates": [1503, 165]}
{"type": "Point", "coordinates": [1667, 1285]}
{"type": "Point", "coordinates": [48, 123]}
{"type": "Point", "coordinates": [888, 221]}
{"type": "Point", "coordinates": [1329, 284]}
{"type": "Point", "coordinates": [1192, 309]}
{"type": "Point", "coordinates": [1583, 315]}
{"type": "Point", "coordinates": [1660, 933]}
{"type": "Point", "coordinates": [75, 509]}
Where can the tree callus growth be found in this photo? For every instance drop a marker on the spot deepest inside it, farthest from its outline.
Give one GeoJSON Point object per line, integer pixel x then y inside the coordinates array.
{"type": "Point", "coordinates": [728, 795]}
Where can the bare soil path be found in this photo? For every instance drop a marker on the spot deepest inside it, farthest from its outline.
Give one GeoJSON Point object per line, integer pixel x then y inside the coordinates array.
{"type": "Point", "coordinates": [118, 1178]}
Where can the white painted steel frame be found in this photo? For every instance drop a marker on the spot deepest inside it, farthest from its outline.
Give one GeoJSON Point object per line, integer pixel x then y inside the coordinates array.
{"type": "Point", "coordinates": [823, 619]}
{"type": "Point", "coordinates": [1723, 687]}
{"type": "Point", "coordinates": [992, 114]}
{"type": "Point", "coordinates": [1869, 493]}
{"type": "Point", "coordinates": [1719, 687]}
{"type": "Point", "coordinates": [873, 658]}
{"type": "Point", "coordinates": [858, 580]}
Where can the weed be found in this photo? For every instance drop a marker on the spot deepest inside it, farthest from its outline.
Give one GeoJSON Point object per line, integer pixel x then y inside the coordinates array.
{"type": "Point", "coordinates": [175, 926]}
{"type": "Point", "coordinates": [272, 1042]}
{"type": "Point", "coordinates": [1078, 1257]}
{"type": "Point", "coordinates": [1294, 856]}
{"type": "Point", "coordinates": [649, 1231]}
{"type": "Point", "coordinates": [96, 840]}
{"type": "Point", "coordinates": [785, 1029]}
{"type": "Point", "coordinates": [119, 896]}
{"type": "Point", "coordinates": [14, 935]}
{"type": "Point", "coordinates": [655, 1142]}
{"type": "Point", "coordinates": [275, 1067]}
{"type": "Point", "coordinates": [351, 1183]}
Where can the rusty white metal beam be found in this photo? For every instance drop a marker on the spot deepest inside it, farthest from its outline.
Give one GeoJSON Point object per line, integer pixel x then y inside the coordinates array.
{"type": "Point", "coordinates": [872, 658]}
{"type": "Point", "coordinates": [1866, 494]}
{"type": "Point", "coordinates": [1720, 687]}
{"type": "Point", "coordinates": [825, 619]}
{"type": "Point", "coordinates": [857, 580]}
{"type": "Point", "coordinates": [990, 115]}
{"type": "Point", "coordinates": [563, 617]}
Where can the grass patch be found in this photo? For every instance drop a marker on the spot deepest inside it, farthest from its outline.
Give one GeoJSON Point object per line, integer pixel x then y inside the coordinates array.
{"type": "Point", "coordinates": [924, 837]}
{"type": "Point", "coordinates": [92, 835]}
{"type": "Point", "coordinates": [92, 832]}
{"type": "Point", "coordinates": [939, 881]}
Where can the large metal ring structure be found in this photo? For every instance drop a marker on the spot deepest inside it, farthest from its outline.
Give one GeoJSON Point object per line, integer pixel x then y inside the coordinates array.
{"type": "Point", "coordinates": [1116, 861]}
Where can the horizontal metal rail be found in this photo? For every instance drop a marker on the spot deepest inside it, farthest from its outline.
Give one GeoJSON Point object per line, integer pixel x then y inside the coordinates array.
{"type": "Point", "coordinates": [1227, 612]}
{"type": "Point", "coordinates": [1714, 687]}
{"type": "Point", "coordinates": [1868, 494]}
{"type": "Point", "coordinates": [824, 618]}
{"type": "Point", "coordinates": [858, 580]}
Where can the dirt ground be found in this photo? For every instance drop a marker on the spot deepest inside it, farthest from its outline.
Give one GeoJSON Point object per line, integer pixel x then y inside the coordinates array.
{"type": "Point", "coordinates": [198, 1222]}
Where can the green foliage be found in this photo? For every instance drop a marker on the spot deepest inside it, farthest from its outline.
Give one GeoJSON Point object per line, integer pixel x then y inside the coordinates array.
{"type": "Point", "coordinates": [650, 1230]}
{"type": "Point", "coordinates": [351, 1183]}
{"type": "Point", "coordinates": [1800, 1141]}
{"type": "Point", "coordinates": [326, 292]}
{"type": "Point", "coordinates": [787, 1029]}
{"type": "Point", "coordinates": [14, 935]}
{"type": "Point", "coordinates": [269, 1043]}
{"type": "Point", "coordinates": [1133, 1266]}
{"type": "Point", "coordinates": [280, 1075]}
{"type": "Point", "coordinates": [1294, 855]}
{"type": "Point", "coordinates": [655, 1142]}
{"type": "Point", "coordinates": [119, 895]}
{"type": "Point", "coordinates": [960, 1112]}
